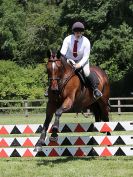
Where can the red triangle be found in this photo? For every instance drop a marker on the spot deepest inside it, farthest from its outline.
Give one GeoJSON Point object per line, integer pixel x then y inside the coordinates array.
{"type": "Point", "coordinates": [53, 153]}
{"type": "Point", "coordinates": [28, 130]}
{"type": "Point", "coordinates": [79, 141]}
{"type": "Point", "coordinates": [3, 130]}
{"type": "Point", "coordinates": [3, 143]}
{"type": "Point", "coordinates": [105, 128]}
{"type": "Point", "coordinates": [79, 152]}
{"type": "Point", "coordinates": [79, 128]}
{"type": "Point", "coordinates": [27, 153]}
{"type": "Point", "coordinates": [3, 154]}
{"type": "Point", "coordinates": [106, 141]}
{"type": "Point", "coordinates": [28, 142]}
{"type": "Point", "coordinates": [53, 143]}
{"type": "Point", "coordinates": [106, 152]}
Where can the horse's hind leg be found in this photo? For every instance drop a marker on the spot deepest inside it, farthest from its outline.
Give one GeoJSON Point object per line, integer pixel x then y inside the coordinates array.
{"type": "Point", "coordinates": [95, 108]}
{"type": "Point", "coordinates": [49, 114]}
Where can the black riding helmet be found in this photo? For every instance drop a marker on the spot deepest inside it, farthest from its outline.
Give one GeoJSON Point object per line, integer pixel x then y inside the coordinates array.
{"type": "Point", "coordinates": [77, 27]}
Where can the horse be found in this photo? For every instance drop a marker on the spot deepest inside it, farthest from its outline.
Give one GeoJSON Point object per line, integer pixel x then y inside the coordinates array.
{"type": "Point", "coordinates": [66, 92]}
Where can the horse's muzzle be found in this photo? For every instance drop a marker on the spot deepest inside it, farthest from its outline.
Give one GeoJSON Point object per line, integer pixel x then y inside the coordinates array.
{"type": "Point", "coordinates": [54, 85]}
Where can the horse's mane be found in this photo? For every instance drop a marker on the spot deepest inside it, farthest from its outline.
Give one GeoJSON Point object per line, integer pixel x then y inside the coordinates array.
{"type": "Point", "coordinates": [66, 65]}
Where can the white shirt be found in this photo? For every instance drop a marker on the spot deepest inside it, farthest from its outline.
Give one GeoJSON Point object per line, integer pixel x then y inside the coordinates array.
{"type": "Point", "coordinates": [83, 49]}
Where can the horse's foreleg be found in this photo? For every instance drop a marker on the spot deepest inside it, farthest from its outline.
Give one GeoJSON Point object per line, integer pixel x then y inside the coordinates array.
{"type": "Point", "coordinates": [67, 104]}
{"type": "Point", "coordinates": [49, 114]}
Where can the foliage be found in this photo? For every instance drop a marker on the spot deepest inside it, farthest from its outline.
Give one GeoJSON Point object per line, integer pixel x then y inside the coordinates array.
{"type": "Point", "coordinates": [110, 29]}
{"type": "Point", "coordinates": [29, 28]}
{"type": "Point", "coordinates": [20, 83]}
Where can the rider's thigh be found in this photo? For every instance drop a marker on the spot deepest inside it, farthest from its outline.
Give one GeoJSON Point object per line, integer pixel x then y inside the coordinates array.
{"type": "Point", "coordinates": [86, 70]}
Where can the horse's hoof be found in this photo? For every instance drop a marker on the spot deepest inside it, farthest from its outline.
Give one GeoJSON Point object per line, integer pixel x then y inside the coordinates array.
{"type": "Point", "coordinates": [54, 139]}
{"type": "Point", "coordinates": [38, 148]}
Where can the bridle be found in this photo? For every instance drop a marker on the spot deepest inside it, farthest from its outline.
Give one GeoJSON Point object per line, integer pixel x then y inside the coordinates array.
{"type": "Point", "coordinates": [53, 59]}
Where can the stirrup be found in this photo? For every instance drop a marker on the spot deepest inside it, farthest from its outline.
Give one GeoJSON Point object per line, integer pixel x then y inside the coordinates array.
{"type": "Point", "coordinates": [97, 94]}
{"type": "Point", "coordinates": [46, 94]}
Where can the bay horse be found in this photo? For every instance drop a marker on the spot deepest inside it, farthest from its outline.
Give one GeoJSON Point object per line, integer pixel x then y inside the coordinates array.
{"type": "Point", "coordinates": [66, 91]}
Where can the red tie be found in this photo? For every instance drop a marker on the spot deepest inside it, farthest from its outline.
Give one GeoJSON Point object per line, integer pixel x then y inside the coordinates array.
{"type": "Point", "coordinates": [75, 49]}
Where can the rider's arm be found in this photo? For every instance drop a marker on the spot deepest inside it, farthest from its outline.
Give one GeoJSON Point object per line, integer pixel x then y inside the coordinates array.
{"type": "Point", "coordinates": [86, 53]}
{"type": "Point", "coordinates": [64, 46]}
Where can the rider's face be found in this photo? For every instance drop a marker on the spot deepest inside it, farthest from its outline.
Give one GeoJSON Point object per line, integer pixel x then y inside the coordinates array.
{"type": "Point", "coordinates": [78, 34]}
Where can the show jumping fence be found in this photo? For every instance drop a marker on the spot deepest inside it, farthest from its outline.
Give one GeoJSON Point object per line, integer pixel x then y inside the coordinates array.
{"type": "Point", "coordinates": [115, 145]}
{"type": "Point", "coordinates": [119, 105]}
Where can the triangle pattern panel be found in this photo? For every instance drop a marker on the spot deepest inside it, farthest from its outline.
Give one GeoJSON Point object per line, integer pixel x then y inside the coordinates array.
{"type": "Point", "coordinates": [39, 129]}
{"type": "Point", "coordinates": [128, 125]}
{"type": "Point", "coordinates": [9, 128]}
{"type": "Point", "coordinates": [106, 128]}
{"type": "Point", "coordinates": [119, 141]}
{"type": "Point", "coordinates": [15, 130]}
{"type": "Point", "coordinates": [92, 128]}
{"type": "Point", "coordinates": [92, 141]}
{"type": "Point", "coordinates": [119, 127]}
{"type": "Point", "coordinates": [28, 130]}
{"type": "Point", "coordinates": [66, 129]}
{"type": "Point", "coordinates": [15, 142]}
{"type": "Point", "coordinates": [3, 154]}
{"type": "Point", "coordinates": [28, 153]}
{"type": "Point", "coordinates": [3, 130]}
{"type": "Point", "coordinates": [106, 152]}
{"type": "Point", "coordinates": [79, 152]}
{"type": "Point", "coordinates": [66, 141]}
{"type": "Point", "coordinates": [3, 142]}
{"type": "Point", "coordinates": [106, 141]}
{"type": "Point", "coordinates": [119, 152]}
{"type": "Point", "coordinates": [53, 153]}
{"type": "Point", "coordinates": [15, 153]}
{"type": "Point", "coordinates": [79, 128]}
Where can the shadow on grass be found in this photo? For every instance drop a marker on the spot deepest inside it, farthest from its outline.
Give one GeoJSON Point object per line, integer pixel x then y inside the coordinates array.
{"type": "Point", "coordinates": [59, 160]}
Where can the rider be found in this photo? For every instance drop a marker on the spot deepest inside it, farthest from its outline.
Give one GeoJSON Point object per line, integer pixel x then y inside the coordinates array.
{"type": "Point", "coordinates": [77, 48]}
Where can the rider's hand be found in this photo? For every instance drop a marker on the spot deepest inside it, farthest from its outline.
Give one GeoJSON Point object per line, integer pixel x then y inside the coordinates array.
{"type": "Point", "coordinates": [77, 66]}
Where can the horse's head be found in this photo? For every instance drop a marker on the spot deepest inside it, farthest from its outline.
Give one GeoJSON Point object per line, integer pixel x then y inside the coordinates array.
{"type": "Point", "coordinates": [54, 69]}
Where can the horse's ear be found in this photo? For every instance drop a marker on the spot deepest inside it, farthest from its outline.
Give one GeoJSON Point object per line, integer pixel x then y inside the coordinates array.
{"type": "Point", "coordinates": [58, 54]}
{"type": "Point", "coordinates": [49, 53]}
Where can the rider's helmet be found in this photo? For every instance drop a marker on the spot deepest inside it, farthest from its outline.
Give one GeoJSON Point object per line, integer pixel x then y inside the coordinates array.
{"type": "Point", "coordinates": [77, 27]}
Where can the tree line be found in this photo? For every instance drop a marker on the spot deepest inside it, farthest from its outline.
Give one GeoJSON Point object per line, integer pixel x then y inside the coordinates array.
{"type": "Point", "coordinates": [29, 28]}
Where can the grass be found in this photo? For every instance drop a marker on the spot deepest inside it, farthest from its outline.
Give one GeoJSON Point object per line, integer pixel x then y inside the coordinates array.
{"type": "Point", "coordinates": [65, 166]}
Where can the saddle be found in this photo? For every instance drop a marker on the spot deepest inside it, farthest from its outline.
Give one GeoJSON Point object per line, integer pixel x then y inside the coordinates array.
{"type": "Point", "coordinates": [79, 72]}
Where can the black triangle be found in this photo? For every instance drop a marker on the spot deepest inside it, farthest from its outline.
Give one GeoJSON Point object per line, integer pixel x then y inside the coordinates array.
{"type": "Point", "coordinates": [92, 128]}
{"type": "Point", "coordinates": [15, 154]}
{"type": "Point", "coordinates": [40, 154]}
{"type": "Point", "coordinates": [66, 142]}
{"type": "Point", "coordinates": [66, 153]}
{"type": "Point", "coordinates": [119, 152]}
{"type": "Point", "coordinates": [15, 143]}
{"type": "Point", "coordinates": [39, 130]}
{"type": "Point", "coordinates": [15, 130]}
{"type": "Point", "coordinates": [119, 141]}
{"type": "Point", "coordinates": [92, 141]}
{"type": "Point", "coordinates": [92, 153]}
{"type": "Point", "coordinates": [66, 129]}
{"type": "Point", "coordinates": [119, 127]}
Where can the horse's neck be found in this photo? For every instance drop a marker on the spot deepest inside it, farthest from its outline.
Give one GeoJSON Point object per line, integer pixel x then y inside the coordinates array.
{"type": "Point", "coordinates": [67, 68]}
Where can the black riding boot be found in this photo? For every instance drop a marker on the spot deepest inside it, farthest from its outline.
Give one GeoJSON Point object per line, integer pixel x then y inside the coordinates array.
{"type": "Point", "coordinates": [93, 83]}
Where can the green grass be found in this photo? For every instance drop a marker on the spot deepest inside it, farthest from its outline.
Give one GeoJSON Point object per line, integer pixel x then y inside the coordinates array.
{"type": "Point", "coordinates": [65, 167]}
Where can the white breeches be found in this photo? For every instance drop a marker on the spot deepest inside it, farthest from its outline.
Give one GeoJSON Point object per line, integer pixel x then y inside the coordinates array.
{"type": "Point", "coordinates": [86, 69]}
